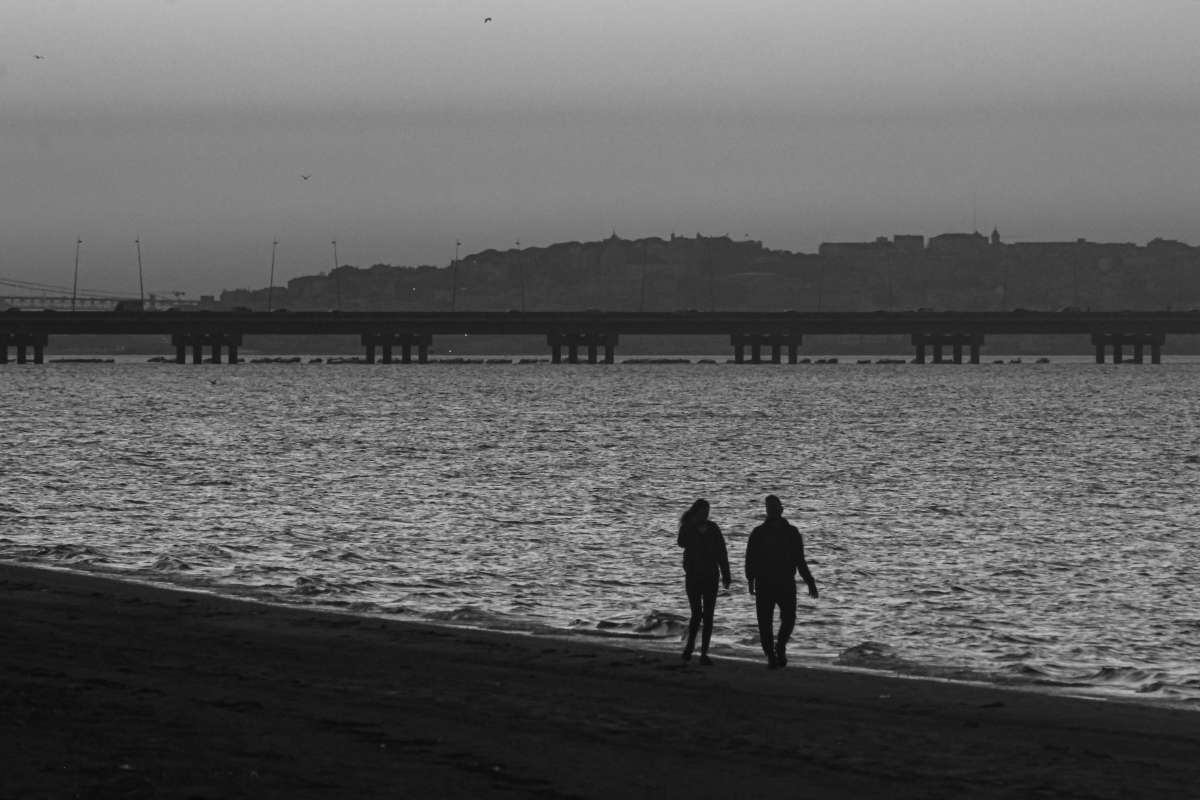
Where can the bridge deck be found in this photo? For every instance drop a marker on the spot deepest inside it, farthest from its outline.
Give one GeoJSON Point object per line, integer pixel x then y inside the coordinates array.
{"type": "Point", "coordinates": [621, 322]}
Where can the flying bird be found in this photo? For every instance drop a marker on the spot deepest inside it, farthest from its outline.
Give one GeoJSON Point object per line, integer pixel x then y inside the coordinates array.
{"type": "Point", "coordinates": [37, 57]}
{"type": "Point", "coordinates": [305, 177]}
{"type": "Point", "coordinates": [487, 19]}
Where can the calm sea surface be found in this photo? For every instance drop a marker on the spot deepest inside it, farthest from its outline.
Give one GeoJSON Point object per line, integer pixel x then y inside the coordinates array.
{"type": "Point", "coordinates": [1018, 523]}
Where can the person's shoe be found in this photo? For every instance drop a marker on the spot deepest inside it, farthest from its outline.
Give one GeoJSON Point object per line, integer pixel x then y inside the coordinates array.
{"type": "Point", "coordinates": [772, 663]}
{"type": "Point", "coordinates": [705, 660]}
{"type": "Point", "coordinates": [687, 654]}
{"type": "Point", "coordinates": [781, 658]}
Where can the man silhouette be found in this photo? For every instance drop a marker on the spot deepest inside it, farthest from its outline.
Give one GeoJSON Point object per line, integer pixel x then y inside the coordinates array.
{"type": "Point", "coordinates": [774, 553]}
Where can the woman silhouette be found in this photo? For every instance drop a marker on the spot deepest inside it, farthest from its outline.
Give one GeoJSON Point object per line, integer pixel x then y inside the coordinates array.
{"type": "Point", "coordinates": [705, 560]}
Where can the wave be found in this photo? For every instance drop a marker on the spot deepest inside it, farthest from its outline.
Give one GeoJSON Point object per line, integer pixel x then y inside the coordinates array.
{"type": "Point", "coordinates": [873, 655]}
{"type": "Point", "coordinates": [74, 553]}
{"type": "Point", "coordinates": [170, 564]}
{"type": "Point", "coordinates": [471, 615]}
{"type": "Point", "coordinates": [655, 625]}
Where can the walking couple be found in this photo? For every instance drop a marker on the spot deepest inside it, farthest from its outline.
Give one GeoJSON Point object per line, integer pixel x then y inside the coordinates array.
{"type": "Point", "coordinates": [774, 554]}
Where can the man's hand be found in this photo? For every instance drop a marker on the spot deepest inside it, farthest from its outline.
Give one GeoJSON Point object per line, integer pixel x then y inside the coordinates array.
{"type": "Point", "coordinates": [750, 585]}
{"type": "Point", "coordinates": [812, 591]}
{"type": "Point", "coordinates": [726, 582]}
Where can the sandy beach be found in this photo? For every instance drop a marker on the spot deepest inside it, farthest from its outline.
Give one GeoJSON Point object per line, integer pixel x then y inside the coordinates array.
{"type": "Point", "coordinates": [120, 690]}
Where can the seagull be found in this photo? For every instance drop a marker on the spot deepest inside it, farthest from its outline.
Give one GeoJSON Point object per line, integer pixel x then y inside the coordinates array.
{"type": "Point", "coordinates": [487, 19]}
{"type": "Point", "coordinates": [37, 57]}
{"type": "Point", "coordinates": [305, 177]}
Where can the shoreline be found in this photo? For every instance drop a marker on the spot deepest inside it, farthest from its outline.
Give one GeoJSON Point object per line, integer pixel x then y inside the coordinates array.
{"type": "Point", "coordinates": [121, 688]}
{"type": "Point", "coordinates": [665, 646]}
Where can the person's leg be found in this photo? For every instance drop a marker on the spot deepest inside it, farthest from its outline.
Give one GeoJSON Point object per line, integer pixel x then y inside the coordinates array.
{"type": "Point", "coordinates": [694, 596]}
{"type": "Point", "coordinates": [787, 623]}
{"type": "Point", "coordinates": [764, 605]}
{"type": "Point", "coordinates": [709, 604]}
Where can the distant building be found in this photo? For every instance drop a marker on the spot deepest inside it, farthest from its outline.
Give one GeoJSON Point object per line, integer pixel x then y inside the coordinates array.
{"type": "Point", "coordinates": [958, 243]}
{"type": "Point", "coordinates": [834, 249]}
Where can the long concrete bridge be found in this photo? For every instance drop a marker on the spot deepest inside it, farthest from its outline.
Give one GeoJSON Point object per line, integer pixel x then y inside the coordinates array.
{"type": "Point", "coordinates": [592, 336]}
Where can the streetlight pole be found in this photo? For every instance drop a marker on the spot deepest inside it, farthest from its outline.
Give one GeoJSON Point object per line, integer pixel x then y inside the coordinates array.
{"type": "Point", "coordinates": [642, 303]}
{"type": "Point", "coordinates": [454, 277]}
{"type": "Point", "coordinates": [75, 282]}
{"type": "Point", "coordinates": [271, 282]}
{"type": "Point", "coordinates": [521, 273]}
{"type": "Point", "coordinates": [141, 284]}
{"type": "Point", "coordinates": [337, 279]}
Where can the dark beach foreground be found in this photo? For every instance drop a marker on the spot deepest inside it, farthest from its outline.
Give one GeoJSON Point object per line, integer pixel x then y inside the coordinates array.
{"type": "Point", "coordinates": [118, 690]}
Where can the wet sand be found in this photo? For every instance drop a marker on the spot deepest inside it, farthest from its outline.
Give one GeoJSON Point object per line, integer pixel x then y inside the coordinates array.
{"type": "Point", "coordinates": [117, 690]}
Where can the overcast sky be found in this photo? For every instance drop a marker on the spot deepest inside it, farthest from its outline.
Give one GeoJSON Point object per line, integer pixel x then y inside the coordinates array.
{"type": "Point", "coordinates": [189, 124]}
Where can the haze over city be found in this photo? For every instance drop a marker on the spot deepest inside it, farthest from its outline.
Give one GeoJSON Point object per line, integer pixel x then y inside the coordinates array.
{"type": "Point", "coordinates": [192, 125]}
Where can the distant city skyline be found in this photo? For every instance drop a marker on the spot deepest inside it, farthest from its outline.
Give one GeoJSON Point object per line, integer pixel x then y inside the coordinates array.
{"type": "Point", "coordinates": [209, 130]}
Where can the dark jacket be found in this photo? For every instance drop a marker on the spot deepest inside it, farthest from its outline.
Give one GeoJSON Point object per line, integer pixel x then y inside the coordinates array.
{"type": "Point", "coordinates": [774, 554]}
{"type": "Point", "coordinates": [704, 553]}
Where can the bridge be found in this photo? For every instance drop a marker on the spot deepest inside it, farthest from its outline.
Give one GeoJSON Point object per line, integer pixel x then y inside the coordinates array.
{"type": "Point", "coordinates": [592, 336]}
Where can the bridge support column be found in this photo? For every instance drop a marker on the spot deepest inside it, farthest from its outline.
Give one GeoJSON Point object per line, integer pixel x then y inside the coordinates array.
{"type": "Point", "coordinates": [421, 341]}
{"type": "Point", "coordinates": [387, 341]}
{"type": "Point", "coordinates": [609, 341]}
{"type": "Point", "coordinates": [774, 340]}
{"type": "Point", "coordinates": [23, 342]}
{"type": "Point", "coordinates": [196, 341]}
{"type": "Point", "coordinates": [939, 341]}
{"type": "Point", "coordinates": [918, 341]}
{"type": "Point", "coordinates": [1139, 341]}
{"type": "Point", "coordinates": [591, 341]}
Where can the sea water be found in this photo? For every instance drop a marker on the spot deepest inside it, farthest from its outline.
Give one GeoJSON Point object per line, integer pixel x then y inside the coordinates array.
{"type": "Point", "coordinates": [1015, 523]}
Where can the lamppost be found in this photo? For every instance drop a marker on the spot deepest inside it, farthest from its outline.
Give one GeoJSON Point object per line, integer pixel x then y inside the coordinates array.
{"type": "Point", "coordinates": [454, 277]}
{"type": "Point", "coordinates": [75, 282]}
{"type": "Point", "coordinates": [642, 303]}
{"type": "Point", "coordinates": [271, 281]}
{"type": "Point", "coordinates": [141, 284]}
{"type": "Point", "coordinates": [521, 273]}
{"type": "Point", "coordinates": [337, 279]}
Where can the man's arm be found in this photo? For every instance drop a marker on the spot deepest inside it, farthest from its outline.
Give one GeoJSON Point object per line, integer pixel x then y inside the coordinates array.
{"type": "Point", "coordinates": [802, 566]}
{"type": "Point", "coordinates": [751, 566]}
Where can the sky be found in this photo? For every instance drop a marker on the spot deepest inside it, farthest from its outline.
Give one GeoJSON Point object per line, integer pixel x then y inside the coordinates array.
{"type": "Point", "coordinates": [189, 124]}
